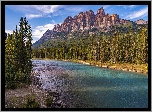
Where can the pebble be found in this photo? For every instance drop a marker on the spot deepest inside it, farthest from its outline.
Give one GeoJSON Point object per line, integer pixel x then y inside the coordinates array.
{"type": "Point", "coordinates": [47, 80]}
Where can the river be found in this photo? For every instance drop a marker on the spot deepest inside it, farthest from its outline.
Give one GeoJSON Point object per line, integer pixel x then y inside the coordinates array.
{"type": "Point", "coordinates": [85, 86]}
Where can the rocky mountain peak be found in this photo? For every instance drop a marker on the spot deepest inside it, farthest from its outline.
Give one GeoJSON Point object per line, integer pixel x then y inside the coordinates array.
{"type": "Point", "coordinates": [101, 11]}
{"type": "Point", "coordinates": [87, 21]}
{"type": "Point", "coordinates": [68, 19]}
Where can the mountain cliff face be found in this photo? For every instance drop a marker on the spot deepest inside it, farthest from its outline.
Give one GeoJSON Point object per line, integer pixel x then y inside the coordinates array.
{"type": "Point", "coordinates": [141, 21]}
{"type": "Point", "coordinates": [86, 21]}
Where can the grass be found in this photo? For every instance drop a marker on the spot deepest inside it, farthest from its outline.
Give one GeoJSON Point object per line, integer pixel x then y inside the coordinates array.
{"type": "Point", "coordinates": [143, 68]}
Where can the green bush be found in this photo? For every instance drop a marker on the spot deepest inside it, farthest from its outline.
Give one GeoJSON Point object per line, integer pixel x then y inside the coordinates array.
{"type": "Point", "coordinates": [31, 103]}
{"type": "Point", "coordinates": [49, 102]}
{"type": "Point", "coordinates": [16, 80]}
{"type": "Point", "coordinates": [12, 85]}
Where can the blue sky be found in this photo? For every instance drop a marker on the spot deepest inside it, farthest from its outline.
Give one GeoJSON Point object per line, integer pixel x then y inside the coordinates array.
{"type": "Point", "coordinates": [44, 17]}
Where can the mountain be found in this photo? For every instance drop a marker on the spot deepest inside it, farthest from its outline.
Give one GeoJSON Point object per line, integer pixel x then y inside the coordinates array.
{"type": "Point", "coordinates": [86, 22]}
{"type": "Point", "coordinates": [141, 21]}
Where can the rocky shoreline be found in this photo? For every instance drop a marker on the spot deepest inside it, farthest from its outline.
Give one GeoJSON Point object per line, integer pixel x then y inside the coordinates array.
{"type": "Point", "coordinates": [47, 81]}
{"type": "Point", "coordinates": [58, 81]}
{"type": "Point", "coordinates": [57, 101]}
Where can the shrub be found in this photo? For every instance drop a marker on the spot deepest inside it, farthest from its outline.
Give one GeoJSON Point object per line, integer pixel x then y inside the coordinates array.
{"type": "Point", "coordinates": [31, 103]}
{"type": "Point", "coordinates": [49, 102]}
{"type": "Point", "coordinates": [12, 85]}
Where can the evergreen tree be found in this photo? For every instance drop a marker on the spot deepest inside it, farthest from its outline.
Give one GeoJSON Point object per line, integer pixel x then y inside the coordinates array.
{"type": "Point", "coordinates": [18, 56]}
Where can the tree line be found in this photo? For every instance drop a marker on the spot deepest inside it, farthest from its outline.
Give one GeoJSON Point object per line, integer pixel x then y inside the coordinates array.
{"type": "Point", "coordinates": [18, 56]}
{"type": "Point", "coordinates": [119, 47]}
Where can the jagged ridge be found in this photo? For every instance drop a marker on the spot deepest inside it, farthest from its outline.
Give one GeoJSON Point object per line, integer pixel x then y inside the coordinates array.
{"type": "Point", "coordinates": [86, 21]}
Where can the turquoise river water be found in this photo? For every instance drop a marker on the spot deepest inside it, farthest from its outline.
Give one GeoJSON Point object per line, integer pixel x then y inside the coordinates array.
{"type": "Point", "coordinates": [96, 87]}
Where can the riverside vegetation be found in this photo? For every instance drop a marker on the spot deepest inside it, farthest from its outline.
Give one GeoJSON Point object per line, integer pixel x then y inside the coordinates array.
{"type": "Point", "coordinates": [122, 49]}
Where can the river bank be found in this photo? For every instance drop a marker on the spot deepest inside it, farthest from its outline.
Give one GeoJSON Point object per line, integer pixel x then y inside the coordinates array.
{"type": "Point", "coordinates": [17, 98]}
{"type": "Point", "coordinates": [33, 94]}
{"type": "Point", "coordinates": [139, 68]}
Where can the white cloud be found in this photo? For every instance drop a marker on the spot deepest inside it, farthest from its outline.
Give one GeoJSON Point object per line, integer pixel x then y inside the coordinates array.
{"type": "Point", "coordinates": [48, 16]}
{"type": "Point", "coordinates": [54, 8]}
{"type": "Point", "coordinates": [121, 5]}
{"type": "Point", "coordinates": [106, 6]}
{"type": "Point", "coordinates": [38, 32]}
{"type": "Point", "coordinates": [46, 8]}
{"type": "Point", "coordinates": [75, 8]}
{"type": "Point", "coordinates": [30, 16]}
{"type": "Point", "coordinates": [9, 31]}
{"type": "Point", "coordinates": [131, 6]}
{"type": "Point", "coordinates": [137, 14]}
{"type": "Point", "coordinates": [53, 22]}
{"type": "Point", "coordinates": [36, 11]}
{"type": "Point", "coordinates": [127, 6]}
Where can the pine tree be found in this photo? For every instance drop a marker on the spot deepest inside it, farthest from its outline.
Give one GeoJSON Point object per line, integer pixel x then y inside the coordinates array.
{"type": "Point", "coordinates": [28, 45]}
{"type": "Point", "coordinates": [18, 52]}
{"type": "Point", "coordinates": [144, 45]}
{"type": "Point", "coordinates": [9, 59]}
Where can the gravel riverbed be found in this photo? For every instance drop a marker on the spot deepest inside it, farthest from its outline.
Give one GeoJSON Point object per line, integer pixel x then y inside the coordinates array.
{"type": "Point", "coordinates": [45, 78]}
{"type": "Point", "coordinates": [52, 78]}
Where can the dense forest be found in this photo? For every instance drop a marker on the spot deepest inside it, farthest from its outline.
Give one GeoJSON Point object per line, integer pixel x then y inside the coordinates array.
{"type": "Point", "coordinates": [120, 46]}
{"type": "Point", "coordinates": [18, 56]}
